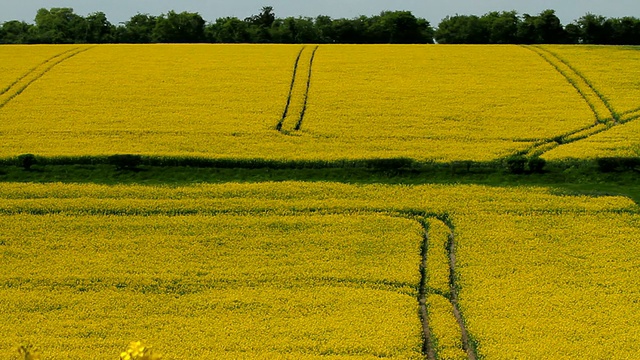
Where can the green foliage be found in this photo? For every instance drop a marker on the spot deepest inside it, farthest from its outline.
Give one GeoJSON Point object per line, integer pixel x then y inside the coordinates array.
{"type": "Point", "coordinates": [25, 161]}
{"type": "Point", "coordinates": [184, 27]}
{"type": "Point", "coordinates": [125, 161]}
{"type": "Point", "coordinates": [537, 164]}
{"type": "Point", "coordinates": [62, 25]}
{"type": "Point", "coordinates": [502, 28]}
{"type": "Point", "coordinates": [516, 164]}
{"type": "Point", "coordinates": [617, 164]}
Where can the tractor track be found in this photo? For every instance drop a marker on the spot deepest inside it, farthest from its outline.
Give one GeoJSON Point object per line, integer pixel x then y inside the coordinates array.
{"type": "Point", "coordinates": [33, 69]}
{"type": "Point", "coordinates": [417, 216]}
{"type": "Point", "coordinates": [297, 100]}
{"type": "Point", "coordinates": [293, 82]}
{"type": "Point", "coordinates": [306, 93]}
{"type": "Point", "coordinates": [601, 125]}
{"type": "Point", "coordinates": [17, 88]}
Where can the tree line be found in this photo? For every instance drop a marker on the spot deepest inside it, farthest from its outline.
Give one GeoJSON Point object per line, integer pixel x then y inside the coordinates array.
{"type": "Point", "coordinates": [63, 26]}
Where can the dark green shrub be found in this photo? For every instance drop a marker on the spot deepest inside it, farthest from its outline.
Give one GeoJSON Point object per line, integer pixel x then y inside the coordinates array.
{"type": "Point", "coordinates": [390, 164]}
{"type": "Point", "coordinates": [26, 161]}
{"type": "Point", "coordinates": [125, 161]}
{"type": "Point", "coordinates": [608, 164]}
{"type": "Point", "coordinates": [611, 164]}
{"type": "Point", "coordinates": [516, 164]}
{"type": "Point", "coordinates": [537, 164]}
{"type": "Point", "coordinates": [630, 163]}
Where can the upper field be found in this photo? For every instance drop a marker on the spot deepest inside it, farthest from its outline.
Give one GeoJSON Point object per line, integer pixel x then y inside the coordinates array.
{"type": "Point", "coordinates": [325, 103]}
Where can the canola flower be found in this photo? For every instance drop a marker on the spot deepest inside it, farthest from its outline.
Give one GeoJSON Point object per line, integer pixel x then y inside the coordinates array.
{"type": "Point", "coordinates": [156, 100]}
{"type": "Point", "coordinates": [29, 352]}
{"type": "Point", "coordinates": [221, 285]}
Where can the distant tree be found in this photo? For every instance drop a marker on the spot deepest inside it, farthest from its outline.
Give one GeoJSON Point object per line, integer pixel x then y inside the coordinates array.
{"type": "Point", "coordinates": [401, 27]}
{"type": "Point", "coordinates": [544, 28]}
{"type": "Point", "coordinates": [260, 25]}
{"type": "Point", "coordinates": [228, 30]}
{"type": "Point", "coordinates": [62, 25]}
{"type": "Point", "coordinates": [324, 26]}
{"type": "Point", "coordinates": [59, 26]}
{"type": "Point", "coordinates": [501, 27]}
{"type": "Point", "coordinates": [574, 33]}
{"type": "Point", "coordinates": [264, 19]}
{"type": "Point", "coordinates": [138, 29]}
{"type": "Point", "coordinates": [292, 30]}
{"type": "Point", "coordinates": [184, 27]}
{"type": "Point", "coordinates": [624, 31]}
{"type": "Point", "coordinates": [16, 32]}
{"type": "Point", "coordinates": [594, 29]}
{"type": "Point", "coordinates": [461, 29]}
{"type": "Point", "coordinates": [549, 28]}
{"type": "Point", "coordinates": [349, 31]}
{"type": "Point", "coordinates": [98, 29]}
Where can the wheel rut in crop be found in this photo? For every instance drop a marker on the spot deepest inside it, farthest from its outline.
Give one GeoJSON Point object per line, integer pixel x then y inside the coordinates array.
{"type": "Point", "coordinates": [594, 98]}
{"type": "Point", "coordinates": [427, 344]}
{"type": "Point", "coordinates": [419, 217]}
{"type": "Point", "coordinates": [34, 69]}
{"type": "Point", "coordinates": [454, 288]}
{"type": "Point", "coordinates": [37, 73]}
{"type": "Point", "coordinates": [606, 116]}
{"type": "Point", "coordinates": [293, 83]}
{"type": "Point", "coordinates": [296, 106]}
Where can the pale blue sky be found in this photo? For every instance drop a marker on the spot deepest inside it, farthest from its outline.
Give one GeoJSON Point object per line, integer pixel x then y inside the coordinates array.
{"type": "Point", "coordinates": [434, 11]}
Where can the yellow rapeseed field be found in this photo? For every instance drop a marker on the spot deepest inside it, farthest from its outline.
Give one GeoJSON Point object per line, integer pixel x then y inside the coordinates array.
{"type": "Point", "coordinates": [226, 101]}
{"type": "Point", "coordinates": [611, 73]}
{"type": "Point", "coordinates": [295, 270]}
{"type": "Point", "coordinates": [155, 100]}
{"type": "Point", "coordinates": [17, 61]}
{"type": "Point", "coordinates": [612, 70]}
{"type": "Point", "coordinates": [315, 270]}
{"type": "Point", "coordinates": [621, 140]}
{"type": "Point", "coordinates": [441, 103]}
{"type": "Point", "coordinates": [218, 286]}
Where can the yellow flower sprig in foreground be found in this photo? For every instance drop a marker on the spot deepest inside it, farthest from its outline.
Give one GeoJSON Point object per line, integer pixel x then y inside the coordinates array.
{"type": "Point", "coordinates": [28, 352]}
{"type": "Point", "coordinates": [137, 351]}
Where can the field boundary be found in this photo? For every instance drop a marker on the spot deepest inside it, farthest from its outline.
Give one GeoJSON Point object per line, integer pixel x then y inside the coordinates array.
{"type": "Point", "coordinates": [36, 74]}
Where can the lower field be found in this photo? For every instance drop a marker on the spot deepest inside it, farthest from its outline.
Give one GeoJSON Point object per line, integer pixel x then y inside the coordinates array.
{"type": "Point", "coordinates": [220, 286]}
{"type": "Point", "coordinates": [304, 270]}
